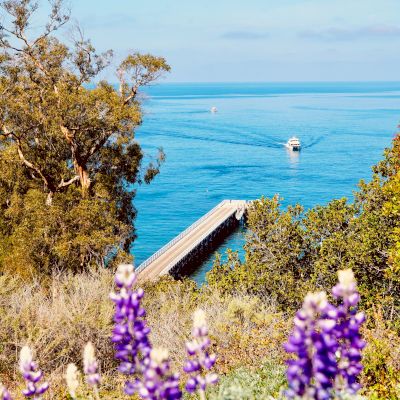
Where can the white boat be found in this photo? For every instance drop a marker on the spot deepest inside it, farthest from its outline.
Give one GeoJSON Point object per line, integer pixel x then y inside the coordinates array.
{"type": "Point", "coordinates": [293, 144]}
{"type": "Point", "coordinates": [214, 109]}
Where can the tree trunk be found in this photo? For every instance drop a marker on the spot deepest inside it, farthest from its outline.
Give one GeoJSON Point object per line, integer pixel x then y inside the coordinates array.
{"type": "Point", "coordinates": [84, 179]}
{"type": "Point", "coordinates": [79, 164]}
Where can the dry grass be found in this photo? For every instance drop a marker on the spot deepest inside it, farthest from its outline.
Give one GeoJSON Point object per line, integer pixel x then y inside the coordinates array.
{"type": "Point", "coordinates": [244, 330]}
{"type": "Point", "coordinates": [56, 318]}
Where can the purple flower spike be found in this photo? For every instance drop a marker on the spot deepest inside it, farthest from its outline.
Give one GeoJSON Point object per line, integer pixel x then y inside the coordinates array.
{"type": "Point", "coordinates": [200, 361]}
{"type": "Point", "coordinates": [348, 332]}
{"type": "Point", "coordinates": [157, 382]}
{"type": "Point", "coordinates": [311, 374]}
{"type": "Point", "coordinates": [327, 344]}
{"type": "Point", "coordinates": [130, 333]}
{"type": "Point", "coordinates": [32, 375]}
{"type": "Point", "coordinates": [4, 394]}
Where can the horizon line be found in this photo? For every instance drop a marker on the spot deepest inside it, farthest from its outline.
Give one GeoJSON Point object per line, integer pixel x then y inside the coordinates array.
{"type": "Point", "coordinates": [280, 81]}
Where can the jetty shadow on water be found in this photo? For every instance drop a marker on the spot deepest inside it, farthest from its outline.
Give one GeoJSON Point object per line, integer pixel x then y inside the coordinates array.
{"type": "Point", "coordinates": [206, 256]}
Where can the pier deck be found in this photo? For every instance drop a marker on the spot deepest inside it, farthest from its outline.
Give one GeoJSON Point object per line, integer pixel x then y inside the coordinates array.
{"type": "Point", "coordinates": [171, 257]}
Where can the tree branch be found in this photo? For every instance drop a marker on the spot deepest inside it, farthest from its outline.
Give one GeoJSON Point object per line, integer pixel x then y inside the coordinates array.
{"type": "Point", "coordinates": [7, 132]}
{"type": "Point", "coordinates": [70, 182]}
{"type": "Point", "coordinates": [133, 94]}
{"type": "Point", "coordinates": [30, 165]}
{"type": "Point", "coordinates": [98, 145]}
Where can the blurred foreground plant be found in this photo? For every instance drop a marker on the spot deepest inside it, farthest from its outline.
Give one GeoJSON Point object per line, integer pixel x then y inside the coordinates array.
{"type": "Point", "coordinates": [32, 375]}
{"type": "Point", "coordinates": [200, 361]}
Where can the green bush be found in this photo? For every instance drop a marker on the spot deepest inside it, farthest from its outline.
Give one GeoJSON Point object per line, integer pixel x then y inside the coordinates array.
{"type": "Point", "coordinates": [289, 252]}
{"type": "Point", "coordinates": [246, 384]}
{"type": "Point", "coordinates": [381, 359]}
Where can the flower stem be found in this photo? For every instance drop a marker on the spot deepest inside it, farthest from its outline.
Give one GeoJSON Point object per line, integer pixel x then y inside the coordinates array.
{"type": "Point", "coordinates": [96, 392]}
{"type": "Point", "coordinates": [202, 395]}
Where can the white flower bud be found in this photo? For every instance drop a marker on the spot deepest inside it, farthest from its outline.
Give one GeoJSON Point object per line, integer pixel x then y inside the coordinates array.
{"type": "Point", "coordinates": [88, 356]}
{"type": "Point", "coordinates": [313, 302]}
{"type": "Point", "coordinates": [346, 279]}
{"type": "Point", "coordinates": [199, 319]}
{"type": "Point", "coordinates": [211, 379]}
{"type": "Point", "coordinates": [125, 275]}
{"type": "Point", "coordinates": [25, 358]}
{"type": "Point", "coordinates": [72, 379]}
{"type": "Point", "coordinates": [159, 355]}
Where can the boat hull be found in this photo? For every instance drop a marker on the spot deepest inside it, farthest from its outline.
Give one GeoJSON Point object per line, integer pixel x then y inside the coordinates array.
{"type": "Point", "coordinates": [293, 148]}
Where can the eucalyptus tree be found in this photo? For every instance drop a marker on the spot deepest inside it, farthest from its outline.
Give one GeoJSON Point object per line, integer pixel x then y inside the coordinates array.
{"type": "Point", "coordinates": [68, 155]}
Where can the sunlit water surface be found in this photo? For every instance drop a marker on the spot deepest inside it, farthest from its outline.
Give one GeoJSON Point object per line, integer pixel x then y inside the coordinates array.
{"type": "Point", "coordinates": [239, 153]}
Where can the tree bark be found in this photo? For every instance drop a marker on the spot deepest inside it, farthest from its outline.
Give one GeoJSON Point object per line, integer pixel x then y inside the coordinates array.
{"type": "Point", "coordinates": [80, 168]}
{"type": "Point", "coordinates": [84, 179]}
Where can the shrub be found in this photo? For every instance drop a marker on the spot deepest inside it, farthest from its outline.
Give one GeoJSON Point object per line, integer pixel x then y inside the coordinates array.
{"type": "Point", "coordinates": [247, 384]}
{"type": "Point", "coordinates": [381, 359]}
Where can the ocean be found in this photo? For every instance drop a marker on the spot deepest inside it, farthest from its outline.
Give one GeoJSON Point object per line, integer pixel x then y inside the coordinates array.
{"type": "Point", "coordinates": [239, 152]}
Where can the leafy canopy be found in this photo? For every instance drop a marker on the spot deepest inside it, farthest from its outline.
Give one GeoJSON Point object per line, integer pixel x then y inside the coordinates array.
{"type": "Point", "coordinates": [68, 154]}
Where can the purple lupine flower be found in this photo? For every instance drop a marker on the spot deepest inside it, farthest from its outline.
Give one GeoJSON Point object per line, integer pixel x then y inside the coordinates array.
{"type": "Point", "coordinates": [348, 332]}
{"type": "Point", "coordinates": [200, 361]}
{"type": "Point", "coordinates": [32, 375]}
{"type": "Point", "coordinates": [130, 333]}
{"type": "Point", "coordinates": [157, 382]}
{"type": "Point", "coordinates": [4, 393]}
{"type": "Point", "coordinates": [311, 374]}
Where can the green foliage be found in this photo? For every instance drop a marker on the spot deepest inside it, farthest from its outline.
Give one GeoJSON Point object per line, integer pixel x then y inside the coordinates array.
{"type": "Point", "coordinates": [68, 156]}
{"type": "Point", "coordinates": [274, 249]}
{"type": "Point", "coordinates": [289, 252]}
{"type": "Point", "coordinates": [381, 359]}
{"type": "Point", "coordinates": [392, 210]}
{"type": "Point", "coordinates": [275, 263]}
{"type": "Point", "coordinates": [225, 276]}
{"type": "Point", "coordinates": [245, 384]}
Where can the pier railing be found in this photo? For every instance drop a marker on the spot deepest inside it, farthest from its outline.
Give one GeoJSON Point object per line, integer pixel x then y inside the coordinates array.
{"type": "Point", "coordinates": [176, 239]}
{"type": "Point", "coordinates": [194, 245]}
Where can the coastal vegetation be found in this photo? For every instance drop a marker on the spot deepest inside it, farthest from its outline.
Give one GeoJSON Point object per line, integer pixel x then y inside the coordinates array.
{"type": "Point", "coordinates": [247, 335]}
{"type": "Point", "coordinates": [323, 328]}
{"type": "Point", "coordinates": [69, 164]}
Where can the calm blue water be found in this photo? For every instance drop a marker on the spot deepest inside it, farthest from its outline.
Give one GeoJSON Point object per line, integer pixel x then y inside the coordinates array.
{"type": "Point", "coordinates": [239, 153]}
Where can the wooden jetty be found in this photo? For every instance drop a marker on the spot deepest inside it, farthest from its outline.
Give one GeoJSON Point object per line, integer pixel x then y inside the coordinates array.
{"type": "Point", "coordinates": [185, 250]}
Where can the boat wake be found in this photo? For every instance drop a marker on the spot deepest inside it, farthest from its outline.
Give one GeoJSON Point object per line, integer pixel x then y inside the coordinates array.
{"type": "Point", "coordinates": [314, 142]}
{"type": "Point", "coordinates": [273, 145]}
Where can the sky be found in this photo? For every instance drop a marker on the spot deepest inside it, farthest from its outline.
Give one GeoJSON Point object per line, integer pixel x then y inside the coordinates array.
{"type": "Point", "coordinates": [252, 40]}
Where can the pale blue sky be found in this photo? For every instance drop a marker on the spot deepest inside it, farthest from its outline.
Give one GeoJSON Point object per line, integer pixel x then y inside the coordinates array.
{"type": "Point", "coordinates": [253, 40]}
